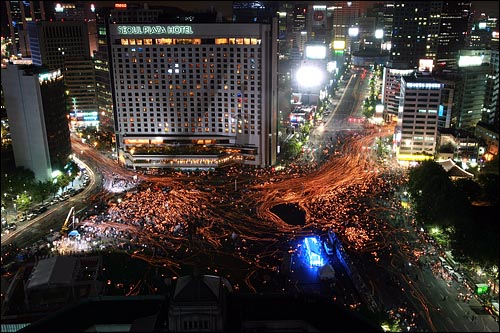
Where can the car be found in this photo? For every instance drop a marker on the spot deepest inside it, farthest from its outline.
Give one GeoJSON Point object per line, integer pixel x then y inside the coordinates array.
{"type": "Point", "coordinates": [448, 268]}
{"type": "Point", "coordinates": [41, 209]}
{"type": "Point", "coordinates": [12, 226]}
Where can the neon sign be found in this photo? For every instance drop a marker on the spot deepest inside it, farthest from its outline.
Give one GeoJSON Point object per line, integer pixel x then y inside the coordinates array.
{"type": "Point", "coordinates": [154, 30]}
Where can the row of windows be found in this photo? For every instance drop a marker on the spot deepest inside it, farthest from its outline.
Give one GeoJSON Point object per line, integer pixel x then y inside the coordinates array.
{"type": "Point", "coordinates": [421, 93]}
{"type": "Point", "coordinates": [431, 100]}
{"type": "Point", "coordinates": [205, 50]}
{"type": "Point", "coordinates": [428, 122]}
{"type": "Point", "coordinates": [225, 97]}
{"type": "Point", "coordinates": [193, 130]}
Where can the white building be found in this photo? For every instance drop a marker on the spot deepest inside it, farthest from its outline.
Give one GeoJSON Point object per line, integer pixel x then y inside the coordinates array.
{"type": "Point", "coordinates": [391, 87]}
{"type": "Point", "coordinates": [35, 104]}
{"type": "Point", "coordinates": [417, 126]}
{"type": "Point", "coordinates": [195, 96]}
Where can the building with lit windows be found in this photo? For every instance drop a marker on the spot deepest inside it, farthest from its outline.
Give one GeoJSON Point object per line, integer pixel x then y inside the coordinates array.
{"type": "Point", "coordinates": [194, 96]}
{"type": "Point", "coordinates": [416, 129]}
{"type": "Point", "coordinates": [35, 103]}
{"type": "Point", "coordinates": [474, 69]}
{"type": "Point", "coordinates": [456, 22]}
{"type": "Point", "coordinates": [19, 13]}
{"type": "Point", "coordinates": [344, 16]}
{"type": "Point", "coordinates": [64, 45]}
{"type": "Point", "coordinates": [391, 86]}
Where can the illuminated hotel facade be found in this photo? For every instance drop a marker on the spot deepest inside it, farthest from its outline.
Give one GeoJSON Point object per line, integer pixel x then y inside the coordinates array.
{"type": "Point", "coordinates": [194, 96]}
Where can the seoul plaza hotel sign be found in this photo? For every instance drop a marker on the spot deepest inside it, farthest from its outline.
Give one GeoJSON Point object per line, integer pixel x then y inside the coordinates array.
{"type": "Point", "coordinates": [154, 30]}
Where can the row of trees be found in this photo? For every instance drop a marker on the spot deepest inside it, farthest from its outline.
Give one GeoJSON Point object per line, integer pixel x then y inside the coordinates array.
{"type": "Point", "coordinates": [20, 188]}
{"type": "Point", "coordinates": [453, 205]}
{"type": "Point", "coordinates": [372, 100]}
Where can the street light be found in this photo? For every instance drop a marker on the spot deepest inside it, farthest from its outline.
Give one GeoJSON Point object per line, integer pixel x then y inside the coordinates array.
{"type": "Point", "coordinates": [309, 76]}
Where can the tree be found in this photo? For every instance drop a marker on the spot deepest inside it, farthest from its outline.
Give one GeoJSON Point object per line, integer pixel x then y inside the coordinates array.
{"type": "Point", "coordinates": [470, 188]}
{"type": "Point", "coordinates": [438, 201]}
{"type": "Point", "coordinates": [489, 182]}
{"type": "Point", "coordinates": [63, 181]}
{"type": "Point", "coordinates": [23, 202]}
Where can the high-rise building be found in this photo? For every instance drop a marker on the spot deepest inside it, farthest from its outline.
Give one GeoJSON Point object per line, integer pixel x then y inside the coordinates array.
{"type": "Point", "coordinates": [391, 88]}
{"type": "Point", "coordinates": [491, 100]}
{"type": "Point", "coordinates": [79, 77]}
{"type": "Point", "coordinates": [82, 11]}
{"type": "Point", "coordinates": [434, 30]}
{"type": "Point", "coordinates": [254, 11]}
{"type": "Point", "coordinates": [456, 21]}
{"type": "Point", "coordinates": [104, 98]}
{"type": "Point", "coordinates": [35, 104]}
{"type": "Point", "coordinates": [65, 45]}
{"type": "Point", "coordinates": [19, 13]}
{"type": "Point", "coordinates": [473, 68]}
{"type": "Point", "coordinates": [415, 31]}
{"type": "Point", "coordinates": [344, 16]}
{"type": "Point", "coordinates": [482, 32]}
{"type": "Point", "coordinates": [416, 130]}
{"type": "Point", "coordinates": [54, 42]}
{"type": "Point", "coordinates": [383, 12]}
{"type": "Point", "coordinates": [299, 27]}
{"type": "Point", "coordinates": [194, 95]}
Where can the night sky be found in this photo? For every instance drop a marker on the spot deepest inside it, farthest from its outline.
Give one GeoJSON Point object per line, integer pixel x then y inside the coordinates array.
{"type": "Point", "coordinates": [225, 7]}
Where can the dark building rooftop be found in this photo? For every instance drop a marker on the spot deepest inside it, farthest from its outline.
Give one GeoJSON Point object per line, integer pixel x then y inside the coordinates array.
{"type": "Point", "coordinates": [273, 312]}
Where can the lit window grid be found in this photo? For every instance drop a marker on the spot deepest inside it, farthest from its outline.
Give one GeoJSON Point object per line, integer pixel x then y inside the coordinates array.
{"type": "Point", "coordinates": [165, 89]}
{"type": "Point", "coordinates": [419, 120]}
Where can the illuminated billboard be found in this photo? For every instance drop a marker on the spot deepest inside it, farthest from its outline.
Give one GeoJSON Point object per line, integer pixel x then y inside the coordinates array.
{"type": "Point", "coordinates": [425, 65]}
{"type": "Point", "coordinates": [482, 288]}
{"type": "Point", "coordinates": [353, 31]}
{"type": "Point", "coordinates": [338, 44]}
{"type": "Point", "coordinates": [467, 61]}
{"type": "Point", "coordinates": [315, 52]}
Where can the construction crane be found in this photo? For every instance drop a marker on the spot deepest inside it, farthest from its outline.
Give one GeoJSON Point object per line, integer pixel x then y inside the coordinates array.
{"type": "Point", "coordinates": [71, 215]}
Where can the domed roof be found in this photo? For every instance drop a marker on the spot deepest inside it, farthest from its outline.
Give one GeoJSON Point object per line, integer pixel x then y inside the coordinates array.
{"type": "Point", "coordinates": [205, 288]}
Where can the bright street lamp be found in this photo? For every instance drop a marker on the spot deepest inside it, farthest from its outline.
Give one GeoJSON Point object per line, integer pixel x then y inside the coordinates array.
{"type": "Point", "coordinates": [309, 76]}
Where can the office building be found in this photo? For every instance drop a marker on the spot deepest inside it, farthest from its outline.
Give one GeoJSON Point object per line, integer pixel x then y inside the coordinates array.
{"type": "Point", "coordinates": [417, 38]}
{"type": "Point", "coordinates": [80, 83]}
{"type": "Point", "coordinates": [81, 11]}
{"type": "Point", "coordinates": [35, 103]}
{"type": "Point", "coordinates": [195, 96]}
{"type": "Point", "coordinates": [391, 88]}
{"type": "Point", "coordinates": [344, 16]}
{"type": "Point", "coordinates": [416, 129]}
{"type": "Point", "coordinates": [482, 33]}
{"type": "Point", "coordinates": [456, 21]}
{"type": "Point", "coordinates": [491, 102]}
{"type": "Point", "coordinates": [254, 11]}
{"type": "Point", "coordinates": [474, 68]}
{"type": "Point", "coordinates": [19, 13]}
{"type": "Point", "coordinates": [65, 45]}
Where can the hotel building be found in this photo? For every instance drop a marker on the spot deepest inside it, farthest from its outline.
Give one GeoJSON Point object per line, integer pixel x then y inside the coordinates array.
{"type": "Point", "coordinates": [194, 96]}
